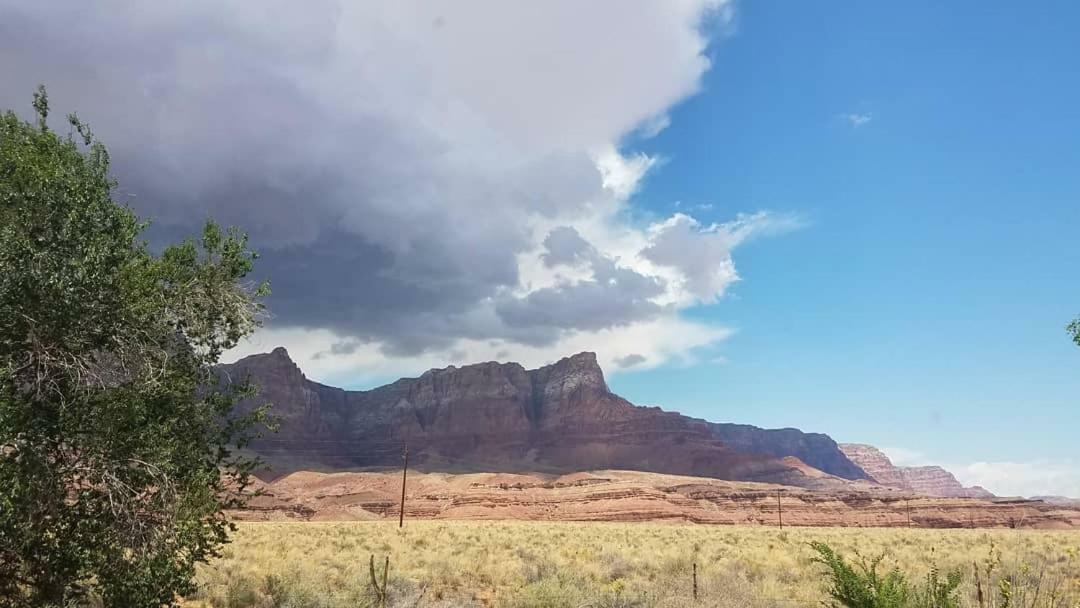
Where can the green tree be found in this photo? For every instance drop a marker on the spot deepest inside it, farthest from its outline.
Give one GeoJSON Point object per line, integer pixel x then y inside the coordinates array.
{"type": "Point", "coordinates": [1074, 330]}
{"type": "Point", "coordinates": [118, 443]}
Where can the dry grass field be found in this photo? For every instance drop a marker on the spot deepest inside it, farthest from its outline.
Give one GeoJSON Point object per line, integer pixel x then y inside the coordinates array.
{"type": "Point", "coordinates": [521, 564]}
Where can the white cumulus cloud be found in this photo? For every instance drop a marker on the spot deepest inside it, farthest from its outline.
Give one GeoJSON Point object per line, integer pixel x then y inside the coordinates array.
{"type": "Point", "coordinates": [1035, 478]}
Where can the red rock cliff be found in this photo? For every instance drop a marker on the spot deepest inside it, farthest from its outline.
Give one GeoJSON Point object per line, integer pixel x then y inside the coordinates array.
{"type": "Point", "coordinates": [928, 480]}
{"type": "Point", "coordinates": [500, 416]}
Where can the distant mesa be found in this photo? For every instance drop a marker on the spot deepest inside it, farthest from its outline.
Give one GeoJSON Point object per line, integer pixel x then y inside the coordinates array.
{"type": "Point", "coordinates": [502, 417]}
{"type": "Point", "coordinates": [560, 418]}
{"type": "Point", "coordinates": [928, 480]}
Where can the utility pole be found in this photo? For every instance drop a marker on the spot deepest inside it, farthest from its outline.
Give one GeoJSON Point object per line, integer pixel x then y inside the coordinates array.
{"type": "Point", "coordinates": [779, 509]}
{"type": "Point", "coordinates": [404, 473]}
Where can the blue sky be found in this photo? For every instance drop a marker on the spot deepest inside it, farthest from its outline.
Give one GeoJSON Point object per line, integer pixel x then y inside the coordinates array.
{"type": "Point", "coordinates": [923, 305]}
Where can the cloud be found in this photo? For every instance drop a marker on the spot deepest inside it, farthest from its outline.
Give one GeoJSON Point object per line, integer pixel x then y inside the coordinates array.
{"type": "Point", "coordinates": [857, 120]}
{"type": "Point", "coordinates": [653, 127]}
{"type": "Point", "coordinates": [630, 360]}
{"type": "Point", "coordinates": [666, 338]}
{"type": "Point", "coordinates": [422, 182]}
{"type": "Point", "coordinates": [903, 457]}
{"type": "Point", "coordinates": [1035, 478]}
{"type": "Point", "coordinates": [616, 297]}
{"type": "Point", "coordinates": [622, 174]}
{"type": "Point", "coordinates": [1004, 478]}
{"type": "Point", "coordinates": [700, 256]}
{"type": "Point", "coordinates": [564, 245]}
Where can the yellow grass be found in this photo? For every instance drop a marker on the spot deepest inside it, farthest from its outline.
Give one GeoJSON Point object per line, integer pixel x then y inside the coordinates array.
{"type": "Point", "coordinates": [436, 563]}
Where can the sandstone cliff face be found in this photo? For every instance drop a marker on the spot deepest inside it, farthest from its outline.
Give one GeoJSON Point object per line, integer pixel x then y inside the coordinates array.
{"type": "Point", "coordinates": [629, 496]}
{"type": "Point", "coordinates": [928, 480]}
{"type": "Point", "coordinates": [876, 464]}
{"type": "Point", "coordinates": [502, 417]}
{"type": "Point", "coordinates": [936, 481]}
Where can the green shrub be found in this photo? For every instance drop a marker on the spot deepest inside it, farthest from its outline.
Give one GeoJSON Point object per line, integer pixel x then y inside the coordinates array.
{"type": "Point", "coordinates": [861, 585]}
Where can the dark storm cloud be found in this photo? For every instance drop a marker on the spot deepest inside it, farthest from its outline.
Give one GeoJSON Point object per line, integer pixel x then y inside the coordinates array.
{"type": "Point", "coordinates": [564, 245]}
{"type": "Point", "coordinates": [588, 305]}
{"type": "Point", "coordinates": [613, 297]}
{"type": "Point", "coordinates": [387, 190]}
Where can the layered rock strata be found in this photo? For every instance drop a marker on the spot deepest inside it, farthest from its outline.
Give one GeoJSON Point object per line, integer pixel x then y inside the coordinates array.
{"type": "Point", "coordinates": [503, 417]}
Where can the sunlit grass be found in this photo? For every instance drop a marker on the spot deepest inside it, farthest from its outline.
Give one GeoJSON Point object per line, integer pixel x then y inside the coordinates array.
{"type": "Point", "coordinates": [572, 564]}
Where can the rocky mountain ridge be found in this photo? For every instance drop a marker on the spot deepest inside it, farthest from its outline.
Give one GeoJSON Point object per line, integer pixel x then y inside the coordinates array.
{"type": "Point", "coordinates": [502, 417]}
{"type": "Point", "coordinates": [928, 480]}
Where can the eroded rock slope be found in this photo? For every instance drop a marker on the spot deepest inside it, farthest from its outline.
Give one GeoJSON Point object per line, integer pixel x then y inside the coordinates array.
{"type": "Point", "coordinates": [503, 417]}
{"type": "Point", "coordinates": [929, 480]}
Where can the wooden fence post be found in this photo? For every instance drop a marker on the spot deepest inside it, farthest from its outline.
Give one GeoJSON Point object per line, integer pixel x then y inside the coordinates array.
{"type": "Point", "coordinates": [380, 590]}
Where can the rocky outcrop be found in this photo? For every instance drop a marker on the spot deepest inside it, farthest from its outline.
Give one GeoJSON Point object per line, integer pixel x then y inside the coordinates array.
{"type": "Point", "coordinates": [630, 496]}
{"type": "Point", "coordinates": [875, 463]}
{"type": "Point", "coordinates": [936, 481]}
{"type": "Point", "coordinates": [503, 417]}
{"type": "Point", "coordinates": [928, 480]}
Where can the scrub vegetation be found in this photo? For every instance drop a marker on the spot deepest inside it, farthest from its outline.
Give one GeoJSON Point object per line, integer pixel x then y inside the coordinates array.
{"type": "Point", "coordinates": [531, 564]}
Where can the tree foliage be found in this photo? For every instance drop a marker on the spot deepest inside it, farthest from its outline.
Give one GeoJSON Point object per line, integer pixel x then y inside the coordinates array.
{"type": "Point", "coordinates": [1074, 330]}
{"type": "Point", "coordinates": [117, 441]}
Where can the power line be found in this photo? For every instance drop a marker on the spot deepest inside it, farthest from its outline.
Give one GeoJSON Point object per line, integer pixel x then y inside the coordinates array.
{"type": "Point", "coordinates": [404, 472]}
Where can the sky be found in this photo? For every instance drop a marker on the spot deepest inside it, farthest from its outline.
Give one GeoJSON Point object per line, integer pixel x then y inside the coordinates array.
{"type": "Point", "coordinates": [852, 218]}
